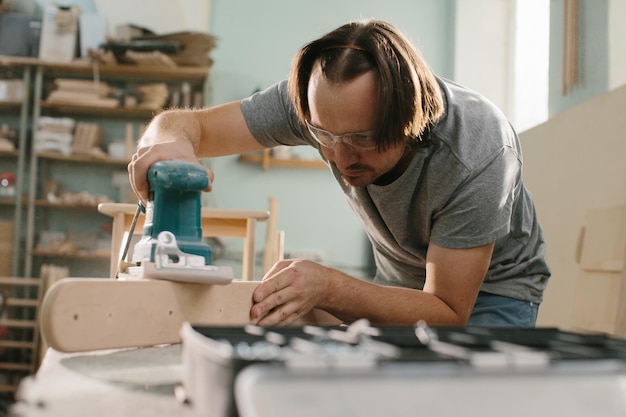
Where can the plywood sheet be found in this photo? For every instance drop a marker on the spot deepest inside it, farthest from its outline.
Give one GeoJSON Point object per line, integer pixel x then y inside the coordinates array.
{"type": "Point", "coordinates": [604, 240]}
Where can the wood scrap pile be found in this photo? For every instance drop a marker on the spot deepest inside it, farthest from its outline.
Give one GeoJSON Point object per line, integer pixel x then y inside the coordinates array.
{"type": "Point", "coordinates": [87, 139]}
{"type": "Point", "coordinates": [151, 59]}
{"type": "Point", "coordinates": [64, 135]}
{"type": "Point", "coordinates": [153, 96]}
{"type": "Point", "coordinates": [195, 47]}
{"type": "Point", "coordinates": [83, 93]}
{"type": "Point", "coordinates": [8, 138]}
{"type": "Point", "coordinates": [54, 134]}
{"type": "Point", "coordinates": [146, 48]}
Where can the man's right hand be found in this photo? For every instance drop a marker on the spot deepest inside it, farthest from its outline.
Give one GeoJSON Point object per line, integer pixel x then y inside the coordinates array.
{"type": "Point", "coordinates": [146, 156]}
{"type": "Point", "coordinates": [185, 135]}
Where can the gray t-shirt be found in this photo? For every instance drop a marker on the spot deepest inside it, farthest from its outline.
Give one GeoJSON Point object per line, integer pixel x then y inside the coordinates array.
{"type": "Point", "coordinates": [462, 191]}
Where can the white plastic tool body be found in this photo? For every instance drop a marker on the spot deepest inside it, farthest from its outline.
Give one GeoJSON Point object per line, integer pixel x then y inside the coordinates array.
{"type": "Point", "coordinates": [170, 263]}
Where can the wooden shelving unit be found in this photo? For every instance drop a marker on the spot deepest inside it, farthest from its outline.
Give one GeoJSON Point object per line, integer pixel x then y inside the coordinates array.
{"type": "Point", "coordinates": [19, 345]}
{"type": "Point", "coordinates": [19, 332]}
{"type": "Point", "coordinates": [14, 69]}
{"type": "Point", "coordinates": [44, 215]}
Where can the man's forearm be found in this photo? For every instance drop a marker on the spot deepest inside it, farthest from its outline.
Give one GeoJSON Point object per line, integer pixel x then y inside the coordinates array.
{"type": "Point", "coordinates": [350, 299]}
{"type": "Point", "coordinates": [172, 125]}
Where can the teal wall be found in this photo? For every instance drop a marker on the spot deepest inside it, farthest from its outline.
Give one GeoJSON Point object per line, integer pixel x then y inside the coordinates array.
{"type": "Point", "coordinates": [257, 41]}
{"type": "Point", "coordinates": [593, 54]}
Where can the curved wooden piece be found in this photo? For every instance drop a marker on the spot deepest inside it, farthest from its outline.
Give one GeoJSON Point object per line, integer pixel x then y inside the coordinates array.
{"type": "Point", "coordinates": [80, 314]}
{"type": "Point", "coordinates": [215, 223]}
{"type": "Point", "coordinates": [83, 314]}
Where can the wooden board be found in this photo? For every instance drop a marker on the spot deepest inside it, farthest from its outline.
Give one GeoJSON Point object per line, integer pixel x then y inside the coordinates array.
{"type": "Point", "coordinates": [603, 245]}
{"type": "Point", "coordinates": [573, 164]}
{"type": "Point", "coordinates": [83, 314]}
{"type": "Point", "coordinates": [600, 297]}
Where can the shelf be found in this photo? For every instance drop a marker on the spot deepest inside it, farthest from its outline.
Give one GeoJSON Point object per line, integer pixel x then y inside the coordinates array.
{"type": "Point", "coordinates": [11, 106]}
{"type": "Point", "coordinates": [16, 344]}
{"type": "Point", "coordinates": [21, 302]}
{"type": "Point", "coordinates": [265, 160]}
{"type": "Point", "coordinates": [77, 256]}
{"type": "Point", "coordinates": [45, 203]}
{"type": "Point", "coordinates": [81, 158]}
{"type": "Point", "coordinates": [187, 73]}
{"type": "Point", "coordinates": [119, 112]}
{"type": "Point", "coordinates": [8, 388]}
{"type": "Point", "coordinates": [112, 70]}
{"type": "Point", "coordinates": [19, 281]}
{"type": "Point", "coordinates": [22, 324]}
{"type": "Point", "coordinates": [7, 201]}
{"type": "Point", "coordinates": [10, 201]}
{"type": "Point", "coordinates": [9, 154]}
{"type": "Point", "coordinates": [18, 61]}
{"type": "Point", "coordinates": [10, 366]}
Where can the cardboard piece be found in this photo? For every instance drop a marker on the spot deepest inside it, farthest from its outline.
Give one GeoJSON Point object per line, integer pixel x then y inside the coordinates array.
{"type": "Point", "coordinates": [59, 33]}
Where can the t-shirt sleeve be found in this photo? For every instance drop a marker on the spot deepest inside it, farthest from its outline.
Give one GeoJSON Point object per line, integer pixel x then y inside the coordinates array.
{"type": "Point", "coordinates": [480, 209]}
{"type": "Point", "coordinates": [271, 118]}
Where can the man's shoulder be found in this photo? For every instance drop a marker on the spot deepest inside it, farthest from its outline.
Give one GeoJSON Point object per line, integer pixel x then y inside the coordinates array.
{"type": "Point", "coordinates": [472, 127]}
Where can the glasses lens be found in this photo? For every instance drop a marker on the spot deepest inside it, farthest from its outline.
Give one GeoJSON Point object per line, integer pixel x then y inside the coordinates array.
{"type": "Point", "coordinates": [357, 141]}
{"type": "Point", "coordinates": [323, 137]}
{"type": "Point", "coordinates": [360, 141]}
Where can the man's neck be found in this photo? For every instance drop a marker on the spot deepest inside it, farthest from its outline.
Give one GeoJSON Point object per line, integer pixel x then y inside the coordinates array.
{"type": "Point", "coordinates": [395, 172]}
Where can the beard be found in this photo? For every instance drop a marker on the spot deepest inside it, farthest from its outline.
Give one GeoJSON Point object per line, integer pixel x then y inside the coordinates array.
{"type": "Point", "coordinates": [365, 176]}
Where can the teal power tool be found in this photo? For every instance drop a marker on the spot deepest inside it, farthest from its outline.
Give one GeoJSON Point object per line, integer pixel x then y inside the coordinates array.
{"type": "Point", "coordinates": [171, 246]}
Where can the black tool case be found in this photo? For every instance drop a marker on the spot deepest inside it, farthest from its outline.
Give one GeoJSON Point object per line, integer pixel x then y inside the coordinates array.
{"type": "Point", "coordinates": [362, 370]}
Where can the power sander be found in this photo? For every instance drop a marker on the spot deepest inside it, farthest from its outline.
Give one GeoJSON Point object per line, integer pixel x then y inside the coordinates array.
{"type": "Point", "coordinates": [171, 246]}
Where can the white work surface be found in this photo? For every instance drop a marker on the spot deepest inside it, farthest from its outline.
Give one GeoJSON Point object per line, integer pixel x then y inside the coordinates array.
{"type": "Point", "coordinates": [141, 382]}
{"type": "Point", "coordinates": [428, 390]}
{"type": "Point", "coordinates": [132, 382]}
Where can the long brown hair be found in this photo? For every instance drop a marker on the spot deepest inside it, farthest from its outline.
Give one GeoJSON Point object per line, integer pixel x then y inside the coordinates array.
{"type": "Point", "coordinates": [408, 92]}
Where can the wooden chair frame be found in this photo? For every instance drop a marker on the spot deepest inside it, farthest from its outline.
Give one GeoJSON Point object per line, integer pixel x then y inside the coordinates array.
{"type": "Point", "coordinates": [215, 223]}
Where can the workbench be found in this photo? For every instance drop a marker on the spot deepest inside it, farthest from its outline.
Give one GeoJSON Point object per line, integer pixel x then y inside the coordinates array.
{"type": "Point", "coordinates": [579, 380]}
{"type": "Point", "coordinates": [127, 382]}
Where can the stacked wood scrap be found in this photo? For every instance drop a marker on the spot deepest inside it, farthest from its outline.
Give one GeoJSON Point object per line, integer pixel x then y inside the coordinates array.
{"type": "Point", "coordinates": [82, 93]}
{"type": "Point", "coordinates": [54, 135]}
{"type": "Point", "coordinates": [195, 47]}
{"type": "Point", "coordinates": [151, 59]}
{"type": "Point", "coordinates": [153, 96]}
{"type": "Point", "coordinates": [87, 137]}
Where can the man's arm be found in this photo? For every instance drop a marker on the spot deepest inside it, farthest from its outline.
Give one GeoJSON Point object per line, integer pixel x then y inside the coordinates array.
{"type": "Point", "coordinates": [188, 135]}
{"type": "Point", "coordinates": [453, 279]}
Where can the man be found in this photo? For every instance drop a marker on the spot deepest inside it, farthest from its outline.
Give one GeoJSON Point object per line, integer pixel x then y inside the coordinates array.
{"type": "Point", "coordinates": [432, 170]}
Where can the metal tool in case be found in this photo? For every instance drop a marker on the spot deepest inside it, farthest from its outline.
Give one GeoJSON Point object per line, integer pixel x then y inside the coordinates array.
{"type": "Point", "coordinates": [362, 370]}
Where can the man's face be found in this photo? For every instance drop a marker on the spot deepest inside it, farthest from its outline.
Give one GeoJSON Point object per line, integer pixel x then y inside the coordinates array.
{"type": "Point", "coordinates": [349, 108]}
